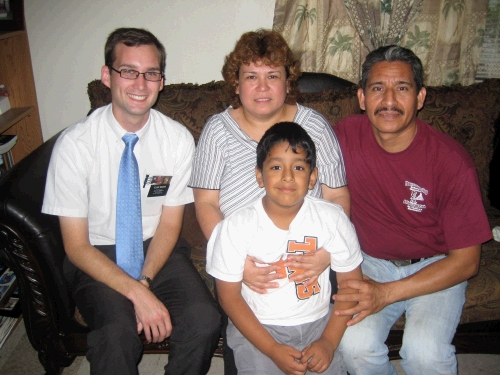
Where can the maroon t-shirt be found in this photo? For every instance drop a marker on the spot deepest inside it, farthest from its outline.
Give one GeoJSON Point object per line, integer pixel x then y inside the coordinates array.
{"type": "Point", "coordinates": [416, 203]}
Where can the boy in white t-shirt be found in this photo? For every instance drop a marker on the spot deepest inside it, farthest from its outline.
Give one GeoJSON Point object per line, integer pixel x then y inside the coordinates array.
{"type": "Point", "coordinates": [289, 329]}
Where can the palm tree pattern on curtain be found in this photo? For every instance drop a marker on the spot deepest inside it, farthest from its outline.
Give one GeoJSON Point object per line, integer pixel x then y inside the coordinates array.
{"type": "Point", "coordinates": [338, 45]}
{"type": "Point", "coordinates": [334, 36]}
{"type": "Point", "coordinates": [303, 14]}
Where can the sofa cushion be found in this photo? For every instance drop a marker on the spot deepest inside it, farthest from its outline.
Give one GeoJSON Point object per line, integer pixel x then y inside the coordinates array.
{"type": "Point", "coordinates": [192, 105]}
{"type": "Point", "coordinates": [468, 114]}
{"type": "Point", "coordinates": [334, 105]}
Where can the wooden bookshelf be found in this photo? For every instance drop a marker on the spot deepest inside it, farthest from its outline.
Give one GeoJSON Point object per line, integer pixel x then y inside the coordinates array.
{"type": "Point", "coordinates": [16, 74]}
{"type": "Point", "coordinates": [11, 117]}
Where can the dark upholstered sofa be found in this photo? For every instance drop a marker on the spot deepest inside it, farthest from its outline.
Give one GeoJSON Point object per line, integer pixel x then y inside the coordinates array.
{"type": "Point", "coordinates": [30, 242]}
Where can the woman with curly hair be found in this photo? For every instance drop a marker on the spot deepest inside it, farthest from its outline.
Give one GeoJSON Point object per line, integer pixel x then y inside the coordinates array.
{"type": "Point", "coordinates": [261, 74]}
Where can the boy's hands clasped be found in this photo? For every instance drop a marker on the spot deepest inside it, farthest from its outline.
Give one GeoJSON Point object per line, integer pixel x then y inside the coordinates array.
{"type": "Point", "coordinates": [315, 358]}
{"type": "Point", "coordinates": [318, 355]}
{"type": "Point", "coordinates": [288, 359]}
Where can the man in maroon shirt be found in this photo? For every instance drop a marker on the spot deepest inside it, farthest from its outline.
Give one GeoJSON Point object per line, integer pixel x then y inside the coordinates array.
{"type": "Point", "coordinates": [418, 213]}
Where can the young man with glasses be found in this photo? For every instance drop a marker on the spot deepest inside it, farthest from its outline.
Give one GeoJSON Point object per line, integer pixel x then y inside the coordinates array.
{"type": "Point", "coordinates": [118, 182]}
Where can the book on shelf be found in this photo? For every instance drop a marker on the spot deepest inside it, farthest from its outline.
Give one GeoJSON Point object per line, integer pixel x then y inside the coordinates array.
{"type": "Point", "coordinates": [10, 309]}
{"type": "Point", "coordinates": [7, 141]}
{"type": "Point", "coordinates": [4, 93]}
{"type": "Point", "coordinates": [8, 159]}
{"type": "Point", "coordinates": [6, 162]}
{"type": "Point", "coordinates": [8, 285]}
{"type": "Point", "coordinates": [4, 104]}
{"type": "Point", "coordinates": [9, 293]}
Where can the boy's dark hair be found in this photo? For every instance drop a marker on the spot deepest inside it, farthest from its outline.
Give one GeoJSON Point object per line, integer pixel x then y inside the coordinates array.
{"type": "Point", "coordinates": [132, 37]}
{"type": "Point", "coordinates": [391, 54]}
{"type": "Point", "coordinates": [289, 132]}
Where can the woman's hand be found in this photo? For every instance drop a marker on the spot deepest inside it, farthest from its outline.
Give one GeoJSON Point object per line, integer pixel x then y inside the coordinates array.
{"type": "Point", "coordinates": [258, 278]}
{"type": "Point", "coordinates": [313, 264]}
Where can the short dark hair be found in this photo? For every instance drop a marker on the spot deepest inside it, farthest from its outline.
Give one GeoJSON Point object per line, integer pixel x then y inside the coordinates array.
{"type": "Point", "coordinates": [132, 37]}
{"type": "Point", "coordinates": [393, 53]}
{"type": "Point", "coordinates": [268, 47]}
{"type": "Point", "coordinates": [289, 132]}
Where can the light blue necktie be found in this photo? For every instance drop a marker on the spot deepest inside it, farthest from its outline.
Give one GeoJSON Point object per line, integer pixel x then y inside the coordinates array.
{"type": "Point", "coordinates": [129, 250]}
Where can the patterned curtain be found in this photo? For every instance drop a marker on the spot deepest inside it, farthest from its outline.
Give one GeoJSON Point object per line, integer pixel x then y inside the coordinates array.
{"type": "Point", "coordinates": [334, 36]}
{"type": "Point", "coordinates": [489, 66]}
{"type": "Point", "coordinates": [382, 22]}
{"type": "Point", "coordinates": [447, 35]}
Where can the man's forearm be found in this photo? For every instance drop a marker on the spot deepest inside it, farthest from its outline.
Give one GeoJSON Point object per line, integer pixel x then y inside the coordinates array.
{"type": "Point", "coordinates": [160, 248]}
{"type": "Point", "coordinates": [458, 266]}
{"type": "Point", "coordinates": [373, 296]}
{"type": "Point", "coordinates": [164, 240]}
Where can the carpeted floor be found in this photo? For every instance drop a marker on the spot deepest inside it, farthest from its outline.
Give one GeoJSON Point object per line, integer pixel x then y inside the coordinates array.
{"type": "Point", "coordinates": [17, 357]}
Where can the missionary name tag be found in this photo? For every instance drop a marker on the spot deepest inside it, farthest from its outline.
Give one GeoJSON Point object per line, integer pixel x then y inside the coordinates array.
{"type": "Point", "coordinates": [159, 185]}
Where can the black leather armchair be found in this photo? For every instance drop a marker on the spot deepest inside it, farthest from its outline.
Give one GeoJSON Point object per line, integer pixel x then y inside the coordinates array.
{"type": "Point", "coordinates": [31, 245]}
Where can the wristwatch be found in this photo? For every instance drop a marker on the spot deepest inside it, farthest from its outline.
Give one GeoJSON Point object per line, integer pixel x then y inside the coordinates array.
{"type": "Point", "coordinates": [147, 278]}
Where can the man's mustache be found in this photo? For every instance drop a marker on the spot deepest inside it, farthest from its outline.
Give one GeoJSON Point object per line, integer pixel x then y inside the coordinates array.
{"type": "Point", "coordinates": [393, 109]}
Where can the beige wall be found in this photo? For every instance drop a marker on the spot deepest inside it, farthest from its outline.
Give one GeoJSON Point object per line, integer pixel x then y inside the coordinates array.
{"type": "Point", "coordinates": [67, 41]}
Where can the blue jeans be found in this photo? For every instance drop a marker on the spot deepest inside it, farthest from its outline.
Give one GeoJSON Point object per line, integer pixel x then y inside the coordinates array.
{"type": "Point", "coordinates": [431, 322]}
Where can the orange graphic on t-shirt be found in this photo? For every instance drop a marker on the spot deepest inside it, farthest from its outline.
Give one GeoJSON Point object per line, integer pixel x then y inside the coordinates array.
{"type": "Point", "coordinates": [305, 248]}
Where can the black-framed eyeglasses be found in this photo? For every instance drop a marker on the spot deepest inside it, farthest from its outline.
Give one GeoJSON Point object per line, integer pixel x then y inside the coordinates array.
{"type": "Point", "coordinates": [133, 74]}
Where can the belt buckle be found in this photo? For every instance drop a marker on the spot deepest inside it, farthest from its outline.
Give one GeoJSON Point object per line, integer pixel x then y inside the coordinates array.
{"type": "Point", "coordinates": [400, 262]}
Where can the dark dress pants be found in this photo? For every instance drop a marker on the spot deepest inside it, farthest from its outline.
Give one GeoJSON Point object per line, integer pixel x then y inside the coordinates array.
{"type": "Point", "coordinates": [114, 347]}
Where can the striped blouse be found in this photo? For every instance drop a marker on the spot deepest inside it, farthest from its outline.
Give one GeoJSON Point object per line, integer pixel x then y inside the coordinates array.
{"type": "Point", "coordinates": [226, 157]}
